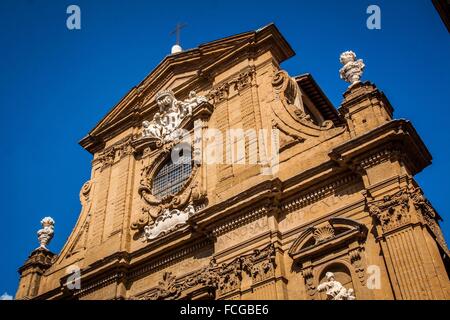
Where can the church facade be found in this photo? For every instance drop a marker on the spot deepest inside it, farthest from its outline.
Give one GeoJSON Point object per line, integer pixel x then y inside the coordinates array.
{"type": "Point", "coordinates": [220, 176]}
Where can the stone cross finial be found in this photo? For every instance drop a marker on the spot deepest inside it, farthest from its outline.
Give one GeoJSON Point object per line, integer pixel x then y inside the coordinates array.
{"type": "Point", "coordinates": [353, 69]}
{"type": "Point", "coordinates": [45, 234]}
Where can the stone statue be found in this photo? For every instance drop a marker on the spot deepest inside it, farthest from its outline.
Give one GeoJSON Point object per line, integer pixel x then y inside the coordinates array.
{"type": "Point", "coordinates": [155, 128]}
{"type": "Point", "coordinates": [171, 113]}
{"type": "Point", "coordinates": [45, 234]}
{"type": "Point", "coordinates": [191, 103]}
{"type": "Point", "coordinates": [334, 289]}
{"type": "Point", "coordinates": [353, 69]}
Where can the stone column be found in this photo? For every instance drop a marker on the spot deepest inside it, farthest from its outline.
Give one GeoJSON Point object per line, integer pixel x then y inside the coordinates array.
{"type": "Point", "coordinates": [32, 271]}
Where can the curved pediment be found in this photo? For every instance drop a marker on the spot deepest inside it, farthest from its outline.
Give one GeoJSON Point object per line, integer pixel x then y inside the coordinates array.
{"type": "Point", "coordinates": [325, 235]}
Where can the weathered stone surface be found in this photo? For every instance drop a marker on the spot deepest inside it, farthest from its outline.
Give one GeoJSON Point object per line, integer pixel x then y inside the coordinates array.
{"type": "Point", "coordinates": [339, 198]}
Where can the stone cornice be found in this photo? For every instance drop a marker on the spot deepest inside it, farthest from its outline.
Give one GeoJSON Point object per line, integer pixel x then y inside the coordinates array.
{"type": "Point", "coordinates": [236, 48]}
{"type": "Point", "coordinates": [396, 138]}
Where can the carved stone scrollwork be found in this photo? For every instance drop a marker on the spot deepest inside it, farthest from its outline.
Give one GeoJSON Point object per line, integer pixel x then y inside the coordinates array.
{"type": "Point", "coordinates": [292, 118]}
{"type": "Point", "coordinates": [230, 277]}
{"type": "Point", "coordinates": [308, 276]}
{"type": "Point", "coordinates": [392, 211]}
{"type": "Point", "coordinates": [356, 261]}
{"type": "Point", "coordinates": [260, 265]}
{"type": "Point", "coordinates": [219, 93]}
{"type": "Point", "coordinates": [166, 289]}
{"type": "Point", "coordinates": [241, 81]}
{"type": "Point", "coordinates": [161, 215]}
{"type": "Point", "coordinates": [168, 221]}
{"type": "Point", "coordinates": [85, 191]}
{"type": "Point", "coordinates": [170, 211]}
{"type": "Point", "coordinates": [116, 152]}
{"type": "Point", "coordinates": [429, 216]}
{"type": "Point", "coordinates": [223, 279]}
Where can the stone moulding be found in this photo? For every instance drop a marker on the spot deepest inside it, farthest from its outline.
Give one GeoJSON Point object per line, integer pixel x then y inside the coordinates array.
{"type": "Point", "coordinates": [316, 195]}
{"type": "Point", "coordinates": [343, 230]}
{"type": "Point", "coordinates": [407, 206]}
{"type": "Point", "coordinates": [242, 80]}
{"type": "Point", "coordinates": [221, 279]}
{"type": "Point", "coordinates": [396, 139]}
{"type": "Point", "coordinates": [345, 238]}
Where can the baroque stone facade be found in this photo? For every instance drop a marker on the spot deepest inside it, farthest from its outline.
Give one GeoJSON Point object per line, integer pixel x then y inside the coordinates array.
{"type": "Point", "coordinates": [327, 207]}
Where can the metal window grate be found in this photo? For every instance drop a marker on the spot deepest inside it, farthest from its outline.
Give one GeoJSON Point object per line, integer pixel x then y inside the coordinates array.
{"type": "Point", "coordinates": [171, 177]}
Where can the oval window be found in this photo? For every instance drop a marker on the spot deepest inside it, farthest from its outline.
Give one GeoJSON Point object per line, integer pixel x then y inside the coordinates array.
{"type": "Point", "coordinates": [173, 174]}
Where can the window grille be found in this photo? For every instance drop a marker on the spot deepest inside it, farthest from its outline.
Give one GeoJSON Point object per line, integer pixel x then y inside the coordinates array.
{"type": "Point", "coordinates": [171, 177]}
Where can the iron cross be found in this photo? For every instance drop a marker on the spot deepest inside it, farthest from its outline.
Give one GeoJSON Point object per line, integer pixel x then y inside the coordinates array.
{"type": "Point", "coordinates": [177, 31]}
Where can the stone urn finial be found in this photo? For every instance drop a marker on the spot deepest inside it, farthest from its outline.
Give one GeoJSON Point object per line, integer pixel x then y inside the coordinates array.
{"type": "Point", "coordinates": [45, 234]}
{"type": "Point", "coordinates": [353, 69]}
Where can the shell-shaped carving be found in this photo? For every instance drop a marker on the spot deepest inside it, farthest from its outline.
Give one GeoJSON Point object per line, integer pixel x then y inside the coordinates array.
{"type": "Point", "coordinates": [323, 233]}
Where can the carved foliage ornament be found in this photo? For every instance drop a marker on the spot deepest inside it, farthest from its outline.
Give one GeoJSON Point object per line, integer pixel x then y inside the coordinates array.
{"type": "Point", "coordinates": [160, 216]}
{"type": "Point", "coordinates": [239, 82]}
{"type": "Point", "coordinates": [429, 216]}
{"type": "Point", "coordinates": [397, 210]}
{"type": "Point", "coordinates": [392, 211]}
{"type": "Point", "coordinates": [116, 152]}
{"type": "Point", "coordinates": [224, 278]}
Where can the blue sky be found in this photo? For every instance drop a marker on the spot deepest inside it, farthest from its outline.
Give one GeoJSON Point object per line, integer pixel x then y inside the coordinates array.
{"type": "Point", "coordinates": [56, 84]}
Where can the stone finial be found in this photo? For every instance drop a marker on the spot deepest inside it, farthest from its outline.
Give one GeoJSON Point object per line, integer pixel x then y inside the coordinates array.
{"type": "Point", "coordinates": [45, 234]}
{"type": "Point", "coordinates": [353, 69]}
{"type": "Point", "coordinates": [334, 289]}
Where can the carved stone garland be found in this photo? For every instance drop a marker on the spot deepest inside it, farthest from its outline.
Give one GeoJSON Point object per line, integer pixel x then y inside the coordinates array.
{"type": "Point", "coordinates": [224, 279]}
